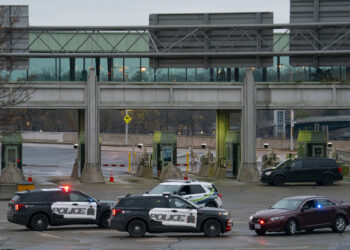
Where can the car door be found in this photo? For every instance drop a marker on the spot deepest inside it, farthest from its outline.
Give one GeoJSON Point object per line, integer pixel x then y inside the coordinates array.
{"type": "Point", "coordinates": [326, 209]}
{"type": "Point", "coordinates": [182, 215]}
{"type": "Point", "coordinates": [157, 209]}
{"type": "Point", "coordinates": [308, 215]}
{"type": "Point", "coordinates": [197, 193]}
{"type": "Point", "coordinates": [312, 169]}
{"type": "Point", "coordinates": [294, 171]}
{"type": "Point", "coordinates": [79, 208]}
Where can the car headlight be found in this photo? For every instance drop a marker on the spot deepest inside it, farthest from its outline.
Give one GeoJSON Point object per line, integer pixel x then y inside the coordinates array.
{"type": "Point", "coordinates": [251, 218]}
{"type": "Point", "coordinates": [277, 218]}
{"type": "Point", "coordinates": [268, 173]}
{"type": "Point", "coordinates": [224, 213]}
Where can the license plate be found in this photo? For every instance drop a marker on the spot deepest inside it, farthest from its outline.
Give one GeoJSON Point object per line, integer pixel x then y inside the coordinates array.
{"type": "Point", "coordinates": [257, 226]}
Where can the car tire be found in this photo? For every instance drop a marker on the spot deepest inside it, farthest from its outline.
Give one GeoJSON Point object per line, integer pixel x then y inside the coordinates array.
{"type": "Point", "coordinates": [136, 228]}
{"type": "Point", "coordinates": [212, 228]}
{"type": "Point", "coordinates": [279, 180]}
{"type": "Point", "coordinates": [39, 222]}
{"type": "Point", "coordinates": [260, 232]}
{"type": "Point", "coordinates": [291, 227]}
{"type": "Point", "coordinates": [104, 220]}
{"type": "Point", "coordinates": [339, 224]}
{"type": "Point", "coordinates": [327, 180]}
{"type": "Point", "coordinates": [211, 204]}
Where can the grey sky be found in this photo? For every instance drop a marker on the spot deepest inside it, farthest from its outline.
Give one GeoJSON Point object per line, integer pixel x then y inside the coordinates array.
{"type": "Point", "coordinates": [135, 12]}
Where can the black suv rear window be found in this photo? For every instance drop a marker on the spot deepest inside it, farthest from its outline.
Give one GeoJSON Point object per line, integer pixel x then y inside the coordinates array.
{"type": "Point", "coordinates": [131, 202]}
{"type": "Point", "coordinates": [35, 197]}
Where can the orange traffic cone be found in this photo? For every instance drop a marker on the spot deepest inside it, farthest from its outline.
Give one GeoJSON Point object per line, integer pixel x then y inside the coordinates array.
{"type": "Point", "coordinates": [186, 176]}
{"type": "Point", "coordinates": [30, 179]}
{"type": "Point", "coordinates": [111, 178]}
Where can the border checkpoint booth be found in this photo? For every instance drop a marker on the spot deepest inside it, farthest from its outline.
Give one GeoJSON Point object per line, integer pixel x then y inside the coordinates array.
{"type": "Point", "coordinates": [11, 149]}
{"type": "Point", "coordinates": [164, 149]}
{"type": "Point", "coordinates": [312, 144]}
{"type": "Point", "coordinates": [233, 151]}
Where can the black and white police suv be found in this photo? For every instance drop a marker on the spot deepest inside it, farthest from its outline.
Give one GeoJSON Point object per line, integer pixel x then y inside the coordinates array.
{"type": "Point", "coordinates": [138, 214]}
{"type": "Point", "coordinates": [198, 192]}
{"type": "Point", "coordinates": [57, 206]}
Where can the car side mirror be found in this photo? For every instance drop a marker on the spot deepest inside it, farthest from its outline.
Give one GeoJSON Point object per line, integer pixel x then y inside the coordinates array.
{"type": "Point", "coordinates": [189, 207]}
{"type": "Point", "coordinates": [147, 192]}
{"type": "Point", "coordinates": [91, 200]}
{"type": "Point", "coordinates": [270, 207]}
{"type": "Point", "coordinates": [183, 193]}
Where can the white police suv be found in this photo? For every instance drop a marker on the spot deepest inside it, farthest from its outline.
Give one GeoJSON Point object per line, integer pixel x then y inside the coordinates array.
{"type": "Point", "coordinates": [200, 193]}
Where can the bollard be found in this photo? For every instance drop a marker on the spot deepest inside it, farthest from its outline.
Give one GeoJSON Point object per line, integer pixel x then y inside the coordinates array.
{"type": "Point", "coordinates": [129, 162]}
{"type": "Point", "coordinates": [187, 157]}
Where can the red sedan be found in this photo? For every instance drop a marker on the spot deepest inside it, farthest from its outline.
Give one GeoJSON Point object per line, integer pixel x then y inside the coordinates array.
{"type": "Point", "coordinates": [298, 213]}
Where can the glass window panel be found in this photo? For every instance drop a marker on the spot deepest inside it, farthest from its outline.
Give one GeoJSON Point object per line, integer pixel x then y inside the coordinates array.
{"type": "Point", "coordinates": [13, 76]}
{"type": "Point", "coordinates": [117, 72]}
{"type": "Point", "coordinates": [132, 69]}
{"type": "Point", "coordinates": [177, 75]}
{"type": "Point", "coordinates": [103, 70]}
{"type": "Point", "coordinates": [147, 73]}
{"type": "Point", "coordinates": [162, 75]}
{"type": "Point", "coordinates": [43, 69]}
{"type": "Point", "coordinates": [64, 69]}
{"type": "Point", "coordinates": [203, 75]}
{"type": "Point", "coordinates": [191, 75]}
{"type": "Point", "coordinates": [81, 68]}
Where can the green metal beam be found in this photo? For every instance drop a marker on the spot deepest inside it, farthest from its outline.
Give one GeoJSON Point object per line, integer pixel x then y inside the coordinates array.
{"type": "Point", "coordinates": [222, 126]}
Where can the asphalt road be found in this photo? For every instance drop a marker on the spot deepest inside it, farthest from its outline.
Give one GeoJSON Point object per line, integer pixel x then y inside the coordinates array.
{"type": "Point", "coordinates": [241, 199]}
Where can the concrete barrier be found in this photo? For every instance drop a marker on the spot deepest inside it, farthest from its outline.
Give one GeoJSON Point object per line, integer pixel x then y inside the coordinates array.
{"type": "Point", "coordinates": [7, 191]}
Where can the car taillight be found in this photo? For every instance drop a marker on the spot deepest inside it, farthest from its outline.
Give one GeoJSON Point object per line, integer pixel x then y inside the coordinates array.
{"type": "Point", "coordinates": [18, 206]}
{"type": "Point", "coordinates": [219, 194]}
{"type": "Point", "coordinates": [116, 211]}
{"type": "Point", "coordinates": [339, 170]}
{"type": "Point", "coordinates": [261, 222]}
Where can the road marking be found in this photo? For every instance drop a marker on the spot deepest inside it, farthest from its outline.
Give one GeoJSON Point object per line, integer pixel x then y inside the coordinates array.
{"type": "Point", "coordinates": [161, 240]}
{"type": "Point", "coordinates": [49, 235]}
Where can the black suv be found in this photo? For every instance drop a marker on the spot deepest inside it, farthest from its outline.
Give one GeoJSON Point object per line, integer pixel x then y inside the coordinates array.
{"type": "Point", "coordinates": [57, 206]}
{"type": "Point", "coordinates": [138, 214]}
{"type": "Point", "coordinates": [323, 171]}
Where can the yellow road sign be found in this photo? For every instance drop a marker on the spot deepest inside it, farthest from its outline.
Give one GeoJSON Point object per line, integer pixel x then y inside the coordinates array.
{"type": "Point", "coordinates": [127, 119]}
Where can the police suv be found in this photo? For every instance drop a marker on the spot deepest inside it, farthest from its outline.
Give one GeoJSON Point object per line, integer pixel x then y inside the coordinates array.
{"type": "Point", "coordinates": [200, 193]}
{"type": "Point", "coordinates": [57, 206]}
{"type": "Point", "coordinates": [138, 214]}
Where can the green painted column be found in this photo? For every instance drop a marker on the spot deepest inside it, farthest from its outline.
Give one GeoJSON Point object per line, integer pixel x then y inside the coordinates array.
{"type": "Point", "coordinates": [222, 126]}
{"type": "Point", "coordinates": [81, 139]}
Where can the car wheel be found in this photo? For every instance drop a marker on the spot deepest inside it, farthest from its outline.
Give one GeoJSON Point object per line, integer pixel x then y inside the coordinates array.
{"type": "Point", "coordinates": [211, 228]}
{"type": "Point", "coordinates": [104, 220]}
{"type": "Point", "coordinates": [39, 222]}
{"type": "Point", "coordinates": [279, 180]}
{"type": "Point", "coordinates": [260, 232]}
{"type": "Point", "coordinates": [136, 228]}
{"type": "Point", "coordinates": [211, 204]}
{"type": "Point", "coordinates": [291, 227]}
{"type": "Point", "coordinates": [339, 224]}
{"type": "Point", "coordinates": [327, 180]}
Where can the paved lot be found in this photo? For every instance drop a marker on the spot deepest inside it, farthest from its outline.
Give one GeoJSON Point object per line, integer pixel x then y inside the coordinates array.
{"type": "Point", "coordinates": [242, 199]}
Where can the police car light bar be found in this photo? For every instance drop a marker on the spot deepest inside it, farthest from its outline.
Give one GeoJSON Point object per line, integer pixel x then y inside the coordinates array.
{"type": "Point", "coordinates": [66, 188]}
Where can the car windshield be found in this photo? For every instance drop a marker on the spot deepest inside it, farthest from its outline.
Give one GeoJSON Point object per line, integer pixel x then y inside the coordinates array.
{"type": "Point", "coordinates": [164, 188]}
{"type": "Point", "coordinates": [283, 164]}
{"type": "Point", "coordinates": [288, 204]}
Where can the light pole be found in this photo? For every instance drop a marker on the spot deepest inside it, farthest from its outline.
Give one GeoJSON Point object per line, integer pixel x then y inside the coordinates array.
{"type": "Point", "coordinates": [291, 129]}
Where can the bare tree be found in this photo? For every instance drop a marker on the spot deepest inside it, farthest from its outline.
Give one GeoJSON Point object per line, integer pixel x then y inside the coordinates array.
{"type": "Point", "coordinates": [12, 40]}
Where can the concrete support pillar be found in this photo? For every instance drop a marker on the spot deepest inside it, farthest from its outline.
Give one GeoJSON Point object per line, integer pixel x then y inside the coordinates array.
{"type": "Point", "coordinates": [222, 126]}
{"type": "Point", "coordinates": [92, 172]}
{"type": "Point", "coordinates": [248, 171]}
